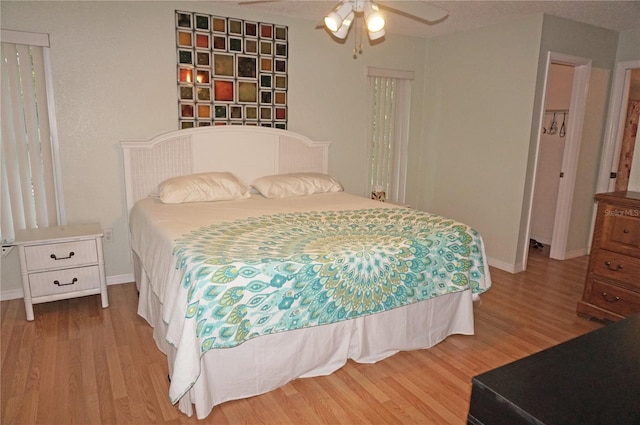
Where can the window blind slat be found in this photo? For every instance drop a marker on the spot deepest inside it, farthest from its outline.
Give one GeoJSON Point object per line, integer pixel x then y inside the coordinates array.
{"type": "Point", "coordinates": [47, 215]}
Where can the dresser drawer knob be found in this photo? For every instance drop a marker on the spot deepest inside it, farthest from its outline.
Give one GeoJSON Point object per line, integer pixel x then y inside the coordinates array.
{"type": "Point", "coordinates": [608, 264]}
{"type": "Point", "coordinates": [609, 299]}
{"type": "Point", "coordinates": [71, 254]}
{"type": "Point", "coordinates": [57, 282]}
{"type": "Point", "coordinates": [625, 231]}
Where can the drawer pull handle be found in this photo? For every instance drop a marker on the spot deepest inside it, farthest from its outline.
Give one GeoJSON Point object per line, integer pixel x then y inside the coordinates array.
{"type": "Point", "coordinates": [71, 254]}
{"type": "Point", "coordinates": [57, 282]}
{"type": "Point", "coordinates": [609, 299]}
{"type": "Point", "coordinates": [625, 231]}
{"type": "Point", "coordinates": [608, 264]}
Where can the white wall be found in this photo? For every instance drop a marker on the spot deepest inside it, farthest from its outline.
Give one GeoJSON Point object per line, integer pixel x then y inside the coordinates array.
{"type": "Point", "coordinates": [628, 45]}
{"type": "Point", "coordinates": [478, 118]}
{"type": "Point", "coordinates": [114, 79]}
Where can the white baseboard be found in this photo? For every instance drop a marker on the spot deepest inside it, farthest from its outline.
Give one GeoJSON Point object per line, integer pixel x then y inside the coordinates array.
{"type": "Point", "coordinates": [12, 294]}
{"type": "Point", "coordinates": [119, 279]}
{"type": "Point", "coordinates": [507, 267]}
{"type": "Point", "coordinates": [519, 267]}
{"type": "Point", "coordinates": [577, 253]}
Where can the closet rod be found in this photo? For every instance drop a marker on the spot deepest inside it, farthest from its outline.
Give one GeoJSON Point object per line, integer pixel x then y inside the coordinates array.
{"type": "Point", "coordinates": [551, 111]}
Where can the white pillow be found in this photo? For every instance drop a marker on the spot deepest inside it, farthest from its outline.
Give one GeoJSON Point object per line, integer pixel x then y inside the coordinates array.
{"type": "Point", "coordinates": [202, 187]}
{"type": "Point", "coordinates": [296, 184]}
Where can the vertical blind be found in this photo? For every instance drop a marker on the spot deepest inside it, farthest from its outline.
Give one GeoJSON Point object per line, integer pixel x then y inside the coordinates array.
{"type": "Point", "coordinates": [390, 100]}
{"type": "Point", "coordinates": [28, 177]}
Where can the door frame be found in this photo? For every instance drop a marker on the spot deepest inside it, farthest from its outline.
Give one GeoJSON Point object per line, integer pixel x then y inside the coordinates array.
{"type": "Point", "coordinates": [615, 125]}
{"type": "Point", "coordinates": [577, 107]}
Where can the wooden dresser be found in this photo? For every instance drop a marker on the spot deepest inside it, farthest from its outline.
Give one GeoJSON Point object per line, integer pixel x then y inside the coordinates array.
{"type": "Point", "coordinates": [612, 287]}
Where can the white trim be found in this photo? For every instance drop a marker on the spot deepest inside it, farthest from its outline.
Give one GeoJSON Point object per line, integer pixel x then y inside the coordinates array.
{"type": "Point", "coordinates": [615, 123]}
{"type": "Point", "coordinates": [577, 107]}
{"type": "Point", "coordinates": [390, 73]}
{"type": "Point", "coordinates": [24, 37]}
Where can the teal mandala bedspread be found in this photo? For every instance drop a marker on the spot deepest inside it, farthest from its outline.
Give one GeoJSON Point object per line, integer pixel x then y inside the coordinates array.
{"type": "Point", "coordinates": [287, 271]}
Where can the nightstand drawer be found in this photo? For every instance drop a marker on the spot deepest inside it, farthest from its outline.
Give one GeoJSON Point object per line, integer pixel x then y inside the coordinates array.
{"type": "Point", "coordinates": [614, 298]}
{"type": "Point", "coordinates": [59, 255]}
{"type": "Point", "coordinates": [63, 281]}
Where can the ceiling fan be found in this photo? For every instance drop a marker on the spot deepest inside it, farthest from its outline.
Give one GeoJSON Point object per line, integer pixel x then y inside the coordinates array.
{"type": "Point", "coordinates": [339, 19]}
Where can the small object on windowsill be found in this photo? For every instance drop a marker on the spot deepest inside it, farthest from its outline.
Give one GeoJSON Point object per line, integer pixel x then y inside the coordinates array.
{"type": "Point", "coordinates": [378, 194]}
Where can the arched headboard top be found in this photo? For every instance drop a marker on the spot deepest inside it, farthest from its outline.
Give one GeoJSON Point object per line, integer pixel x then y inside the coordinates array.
{"type": "Point", "coordinates": [248, 152]}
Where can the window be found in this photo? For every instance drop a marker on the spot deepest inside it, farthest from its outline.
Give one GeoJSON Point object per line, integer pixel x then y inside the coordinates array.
{"type": "Point", "coordinates": [390, 103]}
{"type": "Point", "coordinates": [31, 193]}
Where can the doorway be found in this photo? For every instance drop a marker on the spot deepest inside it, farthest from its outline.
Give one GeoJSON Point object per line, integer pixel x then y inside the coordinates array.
{"type": "Point", "coordinates": [565, 177]}
{"type": "Point", "coordinates": [550, 153]}
{"type": "Point", "coordinates": [626, 85]}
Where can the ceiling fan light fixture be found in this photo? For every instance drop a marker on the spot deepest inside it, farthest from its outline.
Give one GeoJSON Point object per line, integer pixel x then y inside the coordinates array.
{"type": "Point", "coordinates": [373, 18]}
{"type": "Point", "coordinates": [342, 32]}
{"type": "Point", "coordinates": [336, 18]}
{"type": "Point", "coordinates": [376, 35]}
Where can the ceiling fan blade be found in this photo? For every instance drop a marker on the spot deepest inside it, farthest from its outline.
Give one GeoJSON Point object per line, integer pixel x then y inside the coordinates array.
{"type": "Point", "coordinates": [418, 10]}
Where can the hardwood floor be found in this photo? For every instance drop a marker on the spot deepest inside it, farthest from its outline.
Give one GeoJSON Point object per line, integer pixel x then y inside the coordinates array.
{"type": "Point", "coordinates": [80, 364]}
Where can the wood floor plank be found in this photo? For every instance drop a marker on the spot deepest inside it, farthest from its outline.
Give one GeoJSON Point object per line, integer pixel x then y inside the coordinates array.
{"type": "Point", "coordinates": [79, 363]}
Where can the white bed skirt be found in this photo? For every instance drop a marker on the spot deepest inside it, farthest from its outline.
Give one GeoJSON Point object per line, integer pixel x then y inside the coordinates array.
{"type": "Point", "coordinates": [269, 362]}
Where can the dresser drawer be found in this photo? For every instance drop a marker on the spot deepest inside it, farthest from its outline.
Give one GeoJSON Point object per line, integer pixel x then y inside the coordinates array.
{"type": "Point", "coordinates": [621, 230]}
{"type": "Point", "coordinates": [61, 255]}
{"type": "Point", "coordinates": [63, 281]}
{"type": "Point", "coordinates": [614, 298]}
{"type": "Point", "coordinates": [621, 268]}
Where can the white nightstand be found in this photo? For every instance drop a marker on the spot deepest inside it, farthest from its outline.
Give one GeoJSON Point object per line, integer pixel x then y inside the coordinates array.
{"type": "Point", "coordinates": [61, 262]}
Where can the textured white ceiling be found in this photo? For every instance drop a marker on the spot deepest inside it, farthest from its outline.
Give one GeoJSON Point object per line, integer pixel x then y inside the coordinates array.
{"type": "Point", "coordinates": [464, 15]}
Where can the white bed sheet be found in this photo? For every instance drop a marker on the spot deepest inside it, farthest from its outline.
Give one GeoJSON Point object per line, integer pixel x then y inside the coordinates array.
{"type": "Point", "coordinates": [268, 362]}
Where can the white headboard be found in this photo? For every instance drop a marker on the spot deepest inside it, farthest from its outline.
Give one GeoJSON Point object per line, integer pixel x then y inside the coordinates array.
{"type": "Point", "coordinates": [248, 152]}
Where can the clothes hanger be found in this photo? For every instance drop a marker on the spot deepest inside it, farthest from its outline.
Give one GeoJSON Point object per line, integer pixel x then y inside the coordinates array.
{"type": "Point", "coordinates": [563, 128]}
{"type": "Point", "coordinates": [553, 128]}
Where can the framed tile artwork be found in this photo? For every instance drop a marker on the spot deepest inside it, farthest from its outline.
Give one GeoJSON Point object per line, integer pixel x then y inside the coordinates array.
{"type": "Point", "coordinates": [230, 71]}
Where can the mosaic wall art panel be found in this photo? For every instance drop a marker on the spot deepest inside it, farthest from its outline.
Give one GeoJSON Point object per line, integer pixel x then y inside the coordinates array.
{"type": "Point", "coordinates": [231, 71]}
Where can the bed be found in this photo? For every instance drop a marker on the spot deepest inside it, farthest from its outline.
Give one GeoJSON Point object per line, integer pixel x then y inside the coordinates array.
{"type": "Point", "coordinates": [285, 275]}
